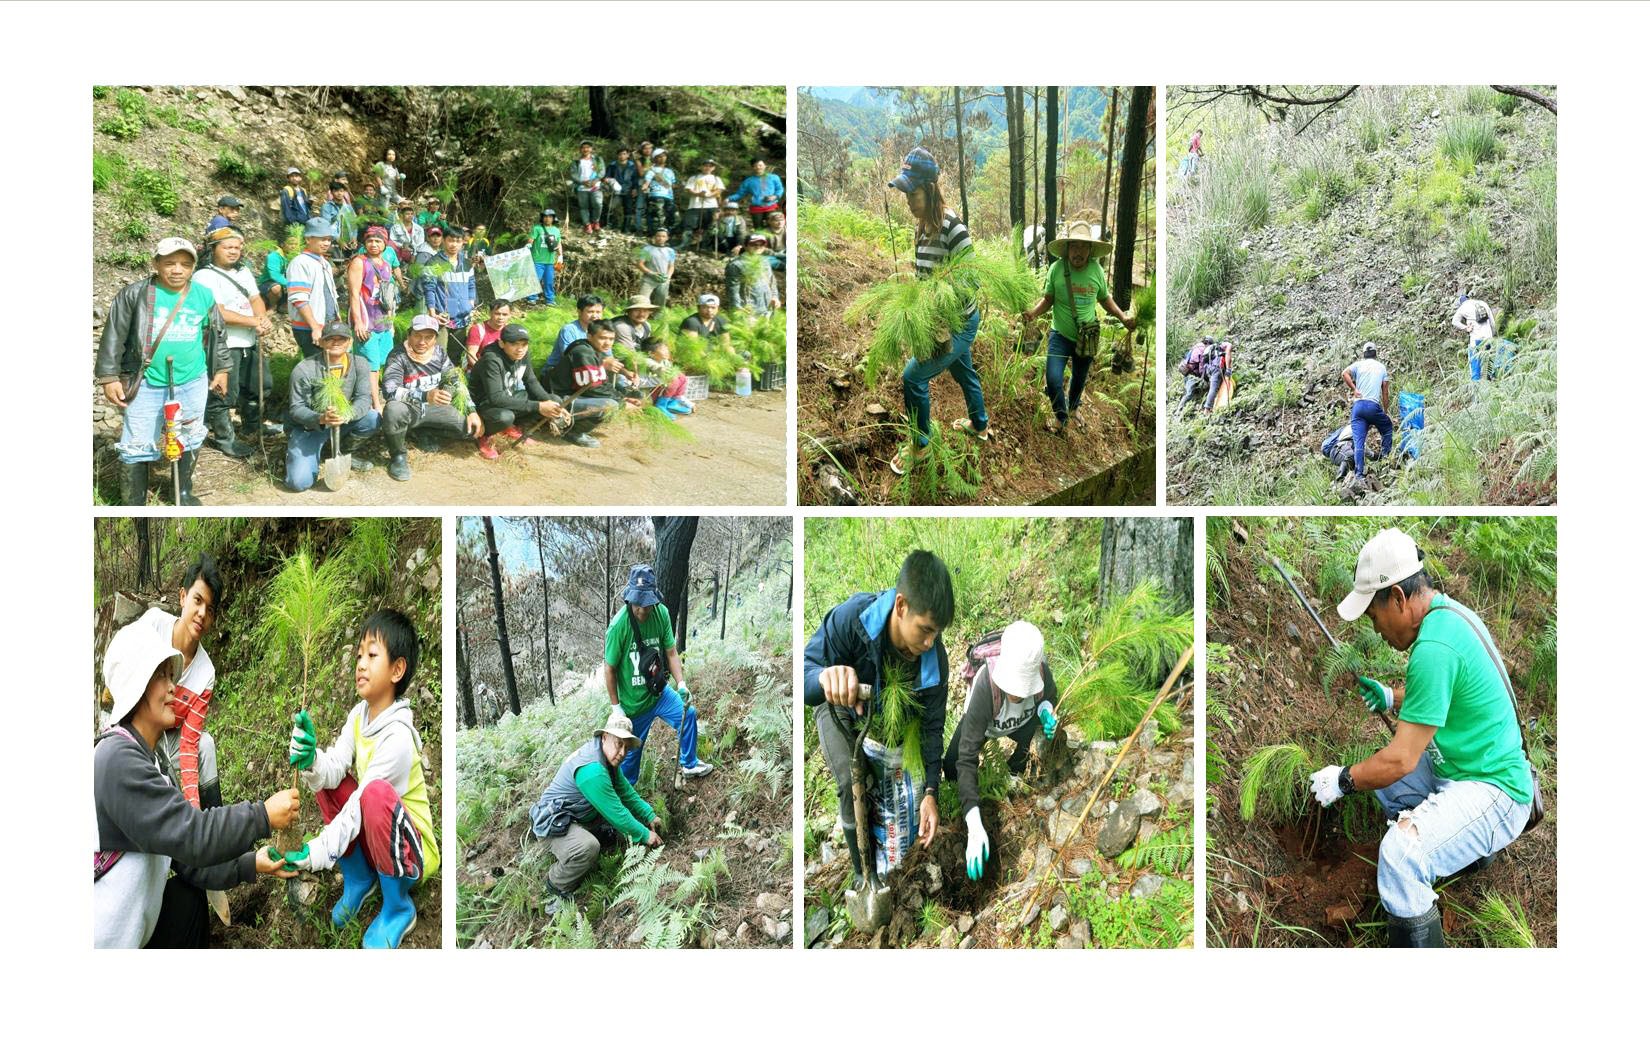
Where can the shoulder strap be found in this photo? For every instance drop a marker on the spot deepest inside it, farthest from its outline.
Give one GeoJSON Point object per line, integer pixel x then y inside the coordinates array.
{"type": "Point", "coordinates": [1071, 300]}
{"type": "Point", "coordinates": [1495, 658]}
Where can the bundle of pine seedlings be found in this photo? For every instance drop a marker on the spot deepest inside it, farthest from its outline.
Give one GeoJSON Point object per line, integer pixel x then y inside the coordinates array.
{"type": "Point", "coordinates": [454, 383]}
{"type": "Point", "coordinates": [330, 395]}
{"type": "Point", "coordinates": [760, 339]}
{"type": "Point", "coordinates": [653, 424]}
{"type": "Point", "coordinates": [896, 722]}
{"type": "Point", "coordinates": [714, 359]}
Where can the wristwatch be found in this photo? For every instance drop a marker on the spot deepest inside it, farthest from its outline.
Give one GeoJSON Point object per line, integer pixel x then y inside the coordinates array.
{"type": "Point", "coordinates": [1346, 785]}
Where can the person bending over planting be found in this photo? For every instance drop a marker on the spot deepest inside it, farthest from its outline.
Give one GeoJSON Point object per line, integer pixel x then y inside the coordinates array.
{"type": "Point", "coordinates": [424, 395]}
{"type": "Point", "coordinates": [506, 390]}
{"type": "Point", "coordinates": [145, 826]}
{"type": "Point", "coordinates": [1015, 698]}
{"type": "Point", "coordinates": [370, 787]}
{"type": "Point", "coordinates": [1371, 387]}
{"type": "Point", "coordinates": [332, 389]}
{"type": "Point", "coordinates": [1454, 781]}
{"type": "Point", "coordinates": [642, 662]}
{"type": "Point", "coordinates": [857, 641]}
{"type": "Point", "coordinates": [583, 377]}
{"type": "Point", "coordinates": [1076, 284]}
{"type": "Point", "coordinates": [588, 805]}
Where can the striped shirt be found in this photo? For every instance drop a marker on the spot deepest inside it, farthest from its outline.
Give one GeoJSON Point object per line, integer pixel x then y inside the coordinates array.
{"type": "Point", "coordinates": [407, 380]}
{"type": "Point", "coordinates": [951, 243]}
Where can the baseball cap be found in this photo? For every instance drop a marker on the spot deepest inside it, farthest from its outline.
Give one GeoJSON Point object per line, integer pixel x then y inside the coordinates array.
{"type": "Point", "coordinates": [293, 171]}
{"type": "Point", "coordinates": [337, 329]}
{"type": "Point", "coordinates": [1389, 557]}
{"type": "Point", "coordinates": [919, 169]}
{"type": "Point", "coordinates": [229, 201]}
{"type": "Point", "coordinates": [167, 246]}
{"type": "Point", "coordinates": [425, 323]}
{"type": "Point", "coordinates": [709, 300]}
{"type": "Point", "coordinates": [514, 333]}
{"type": "Point", "coordinates": [318, 227]}
{"type": "Point", "coordinates": [1018, 670]}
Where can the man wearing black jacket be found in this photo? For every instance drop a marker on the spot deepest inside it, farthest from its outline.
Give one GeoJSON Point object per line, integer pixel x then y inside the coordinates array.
{"type": "Point", "coordinates": [505, 390]}
{"type": "Point", "coordinates": [857, 639]}
{"type": "Point", "coordinates": [582, 375]}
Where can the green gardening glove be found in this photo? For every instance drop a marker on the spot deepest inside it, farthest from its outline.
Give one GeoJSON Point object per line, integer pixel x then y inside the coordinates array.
{"type": "Point", "coordinates": [685, 693]}
{"type": "Point", "coordinates": [300, 752]}
{"type": "Point", "coordinates": [1045, 714]}
{"type": "Point", "coordinates": [1377, 697]}
{"type": "Point", "coordinates": [297, 859]}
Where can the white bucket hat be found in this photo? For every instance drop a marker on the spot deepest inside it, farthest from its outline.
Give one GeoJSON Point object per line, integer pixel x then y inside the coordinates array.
{"type": "Point", "coordinates": [619, 726]}
{"type": "Point", "coordinates": [130, 661]}
{"type": "Point", "coordinates": [1019, 668]}
{"type": "Point", "coordinates": [1389, 557]}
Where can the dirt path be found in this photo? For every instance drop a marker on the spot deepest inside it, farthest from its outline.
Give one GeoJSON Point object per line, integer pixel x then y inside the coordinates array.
{"type": "Point", "coordinates": [736, 458]}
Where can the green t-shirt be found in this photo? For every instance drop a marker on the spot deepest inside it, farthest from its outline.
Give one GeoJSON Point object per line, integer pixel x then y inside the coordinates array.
{"type": "Point", "coordinates": [183, 340]}
{"type": "Point", "coordinates": [545, 239]}
{"type": "Point", "coordinates": [621, 654]}
{"type": "Point", "coordinates": [1088, 287]}
{"type": "Point", "coordinates": [1453, 683]}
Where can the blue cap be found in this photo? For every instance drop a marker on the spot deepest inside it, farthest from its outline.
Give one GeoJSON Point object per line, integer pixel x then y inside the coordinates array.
{"type": "Point", "coordinates": [318, 227]}
{"type": "Point", "coordinates": [919, 169]}
{"type": "Point", "coordinates": [643, 589]}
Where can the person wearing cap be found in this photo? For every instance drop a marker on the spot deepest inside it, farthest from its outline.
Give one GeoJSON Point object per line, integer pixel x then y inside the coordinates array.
{"type": "Point", "coordinates": [773, 224]}
{"type": "Point", "coordinates": [544, 243]}
{"type": "Point", "coordinates": [731, 231]}
{"type": "Point", "coordinates": [1015, 698]}
{"type": "Point", "coordinates": [1371, 388]}
{"type": "Point", "coordinates": [294, 199]}
{"type": "Point", "coordinates": [657, 263]}
{"type": "Point", "coordinates": [235, 287]}
{"type": "Point", "coordinates": [229, 214]}
{"type": "Point", "coordinates": [340, 213]}
{"type": "Point", "coordinates": [659, 191]}
{"type": "Point", "coordinates": [1454, 780]}
{"type": "Point", "coordinates": [308, 428]}
{"type": "Point", "coordinates": [432, 213]}
{"type": "Point", "coordinates": [704, 191]}
{"type": "Point", "coordinates": [406, 235]}
{"type": "Point", "coordinates": [586, 172]}
{"type": "Point", "coordinates": [941, 237]}
{"type": "Point", "coordinates": [311, 292]}
{"type": "Point", "coordinates": [588, 803]}
{"type": "Point", "coordinates": [624, 179]}
{"type": "Point", "coordinates": [448, 285]}
{"type": "Point", "coordinates": [373, 298]}
{"type": "Point", "coordinates": [163, 317]}
{"type": "Point", "coordinates": [750, 278]}
{"type": "Point", "coordinates": [644, 625]}
{"type": "Point", "coordinates": [901, 626]}
{"type": "Point", "coordinates": [585, 378]}
{"type": "Point", "coordinates": [145, 826]}
{"type": "Point", "coordinates": [484, 334]}
{"type": "Point", "coordinates": [1474, 317]}
{"type": "Point", "coordinates": [761, 191]}
{"type": "Point", "coordinates": [1075, 286]}
{"type": "Point", "coordinates": [415, 401]}
{"type": "Point", "coordinates": [707, 322]}
{"type": "Point", "coordinates": [1191, 366]}
{"type": "Point", "coordinates": [633, 328]}
{"type": "Point", "coordinates": [506, 391]}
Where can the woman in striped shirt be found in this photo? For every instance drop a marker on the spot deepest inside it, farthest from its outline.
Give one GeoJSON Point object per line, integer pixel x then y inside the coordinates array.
{"type": "Point", "coordinates": [941, 237]}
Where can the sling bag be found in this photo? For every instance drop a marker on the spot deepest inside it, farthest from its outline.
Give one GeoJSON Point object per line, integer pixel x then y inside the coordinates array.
{"type": "Point", "coordinates": [1088, 332]}
{"type": "Point", "coordinates": [130, 387]}
{"type": "Point", "coordinates": [649, 660]}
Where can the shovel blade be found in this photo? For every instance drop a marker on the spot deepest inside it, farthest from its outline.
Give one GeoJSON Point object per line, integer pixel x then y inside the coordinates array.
{"type": "Point", "coordinates": [335, 471]}
{"type": "Point", "coordinates": [870, 907]}
{"type": "Point", "coordinates": [218, 901]}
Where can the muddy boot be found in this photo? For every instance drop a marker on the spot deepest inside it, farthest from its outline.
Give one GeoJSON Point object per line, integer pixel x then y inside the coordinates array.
{"type": "Point", "coordinates": [858, 880]}
{"type": "Point", "coordinates": [1423, 931]}
{"type": "Point", "coordinates": [186, 480]}
{"type": "Point", "coordinates": [224, 440]}
{"type": "Point", "coordinates": [134, 479]}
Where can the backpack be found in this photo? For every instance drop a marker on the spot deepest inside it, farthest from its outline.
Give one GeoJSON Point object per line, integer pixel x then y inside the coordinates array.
{"type": "Point", "coordinates": [1193, 365]}
{"type": "Point", "coordinates": [649, 660]}
{"type": "Point", "coordinates": [983, 654]}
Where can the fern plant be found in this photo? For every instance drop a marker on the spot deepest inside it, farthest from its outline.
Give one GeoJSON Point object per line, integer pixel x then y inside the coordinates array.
{"type": "Point", "coordinates": [669, 905]}
{"type": "Point", "coordinates": [1275, 784]}
{"type": "Point", "coordinates": [1168, 853]}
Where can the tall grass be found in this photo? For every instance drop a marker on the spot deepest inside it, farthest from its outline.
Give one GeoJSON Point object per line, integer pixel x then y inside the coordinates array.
{"type": "Point", "coordinates": [1474, 242]}
{"type": "Point", "coordinates": [1479, 99]}
{"type": "Point", "coordinates": [1537, 247]}
{"type": "Point", "coordinates": [1469, 140]}
{"type": "Point", "coordinates": [1232, 197]}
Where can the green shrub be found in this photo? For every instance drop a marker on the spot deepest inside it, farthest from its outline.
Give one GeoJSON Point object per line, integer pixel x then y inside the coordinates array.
{"type": "Point", "coordinates": [155, 188]}
{"type": "Point", "coordinates": [1474, 243]}
{"type": "Point", "coordinates": [234, 165]}
{"type": "Point", "coordinates": [1506, 105]}
{"type": "Point", "coordinates": [1324, 173]}
{"type": "Point", "coordinates": [1469, 141]}
{"type": "Point", "coordinates": [107, 170]}
{"type": "Point", "coordinates": [121, 128]}
{"type": "Point", "coordinates": [132, 228]}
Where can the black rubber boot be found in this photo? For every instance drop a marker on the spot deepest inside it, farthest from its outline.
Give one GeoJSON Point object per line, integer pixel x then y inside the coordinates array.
{"type": "Point", "coordinates": [1423, 931]}
{"type": "Point", "coordinates": [135, 482]}
{"type": "Point", "coordinates": [224, 440]}
{"type": "Point", "coordinates": [186, 480]}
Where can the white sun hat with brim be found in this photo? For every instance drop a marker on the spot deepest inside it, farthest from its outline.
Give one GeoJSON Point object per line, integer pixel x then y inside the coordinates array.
{"type": "Point", "coordinates": [1389, 557]}
{"type": "Point", "coordinates": [1019, 668]}
{"type": "Point", "coordinates": [1079, 230]}
{"type": "Point", "coordinates": [618, 725]}
{"type": "Point", "coordinates": [130, 661]}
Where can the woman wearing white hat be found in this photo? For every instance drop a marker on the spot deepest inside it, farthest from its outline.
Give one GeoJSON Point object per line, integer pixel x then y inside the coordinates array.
{"type": "Point", "coordinates": [1076, 285]}
{"type": "Point", "coordinates": [144, 824]}
{"type": "Point", "coordinates": [1014, 698]}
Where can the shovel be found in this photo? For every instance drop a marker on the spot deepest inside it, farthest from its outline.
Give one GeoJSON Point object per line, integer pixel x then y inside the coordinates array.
{"type": "Point", "coordinates": [1333, 643]}
{"type": "Point", "coordinates": [336, 470]}
{"type": "Point", "coordinates": [871, 905]}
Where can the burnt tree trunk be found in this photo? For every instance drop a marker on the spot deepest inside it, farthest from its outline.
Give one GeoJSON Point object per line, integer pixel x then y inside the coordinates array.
{"type": "Point", "coordinates": [1128, 196]}
{"type": "Point", "coordinates": [146, 565]}
{"type": "Point", "coordinates": [1133, 550]}
{"type": "Point", "coordinates": [506, 657]}
{"type": "Point", "coordinates": [1016, 151]}
{"type": "Point", "coordinates": [601, 117]}
{"type": "Point", "coordinates": [607, 577]}
{"type": "Point", "coordinates": [727, 576]}
{"type": "Point", "coordinates": [1111, 147]}
{"type": "Point", "coordinates": [672, 543]}
{"type": "Point", "coordinates": [962, 156]}
{"type": "Point", "coordinates": [1051, 168]}
{"type": "Point", "coordinates": [544, 591]}
{"type": "Point", "coordinates": [466, 690]}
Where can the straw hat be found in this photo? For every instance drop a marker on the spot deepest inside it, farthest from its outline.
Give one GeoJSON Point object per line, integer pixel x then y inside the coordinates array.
{"type": "Point", "coordinates": [1079, 230]}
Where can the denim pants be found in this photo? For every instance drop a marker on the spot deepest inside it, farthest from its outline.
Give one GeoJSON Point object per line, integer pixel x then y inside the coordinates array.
{"type": "Point", "coordinates": [1216, 376]}
{"type": "Point", "coordinates": [960, 363]}
{"type": "Point", "coordinates": [142, 426]}
{"type": "Point", "coordinates": [588, 413]}
{"type": "Point", "coordinates": [1366, 414]}
{"type": "Point", "coordinates": [1191, 388]}
{"type": "Point", "coordinates": [547, 281]}
{"type": "Point", "coordinates": [304, 447]}
{"type": "Point", "coordinates": [1451, 824]}
{"type": "Point", "coordinates": [1060, 351]}
{"type": "Point", "coordinates": [686, 724]}
{"type": "Point", "coordinates": [590, 206]}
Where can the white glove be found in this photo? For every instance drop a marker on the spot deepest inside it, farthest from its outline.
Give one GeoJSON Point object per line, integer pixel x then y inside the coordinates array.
{"type": "Point", "coordinates": [1326, 785]}
{"type": "Point", "coordinates": [979, 845]}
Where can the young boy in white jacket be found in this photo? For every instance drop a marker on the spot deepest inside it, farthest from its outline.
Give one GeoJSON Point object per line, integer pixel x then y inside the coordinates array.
{"type": "Point", "coordinates": [370, 787]}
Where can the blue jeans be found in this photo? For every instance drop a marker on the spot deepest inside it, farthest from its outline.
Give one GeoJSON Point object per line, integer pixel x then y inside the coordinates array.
{"type": "Point", "coordinates": [1366, 414]}
{"type": "Point", "coordinates": [1475, 361]}
{"type": "Point", "coordinates": [590, 206]}
{"type": "Point", "coordinates": [547, 280]}
{"type": "Point", "coordinates": [588, 413]}
{"type": "Point", "coordinates": [686, 724]}
{"type": "Point", "coordinates": [960, 363]}
{"type": "Point", "coordinates": [1060, 351]}
{"type": "Point", "coordinates": [303, 448]}
{"type": "Point", "coordinates": [1450, 824]}
{"type": "Point", "coordinates": [142, 426]}
{"type": "Point", "coordinates": [1216, 376]}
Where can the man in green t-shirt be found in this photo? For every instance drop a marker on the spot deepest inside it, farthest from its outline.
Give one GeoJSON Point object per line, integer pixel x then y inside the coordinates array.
{"type": "Point", "coordinates": [1076, 284]}
{"type": "Point", "coordinates": [1454, 779]}
{"type": "Point", "coordinates": [545, 243]}
{"type": "Point", "coordinates": [629, 674]}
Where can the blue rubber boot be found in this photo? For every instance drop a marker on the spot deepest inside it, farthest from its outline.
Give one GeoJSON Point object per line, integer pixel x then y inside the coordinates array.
{"type": "Point", "coordinates": [359, 879]}
{"type": "Point", "coordinates": [396, 918]}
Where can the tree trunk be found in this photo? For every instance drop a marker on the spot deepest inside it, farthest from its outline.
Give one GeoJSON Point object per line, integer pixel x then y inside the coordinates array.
{"type": "Point", "coordinates": [1128, 196]}
{"type": "Point", "coordinates": [544, 590]}
{"type": "Point", "coordinates": [727, 575]}
{"type": "Point", "coordinates": [607, 578]}
{"type": "Point", "coordinates": [962, 158]}
{"type": "Point", "coordinates": [466, 690]}
{"type": "Point", "coordinates": [1111, 146]}
{"type": "Point", "coordinates": [1051, 168]}
{"type": "Point", "coordinates": [1016, 146]}
{"type": "Point", "coordinates": [146, 567]}
{"type": "Point", "coordinates": [504, 654]}
{"type": "Point", "coordinates": [1031, 170]}
{"type": "Point", "coordinates": [1135, 549]}
{"type": "Point", "coordinates": [601, 119]}
{"type": "Point", "coordinates": [672, 543]}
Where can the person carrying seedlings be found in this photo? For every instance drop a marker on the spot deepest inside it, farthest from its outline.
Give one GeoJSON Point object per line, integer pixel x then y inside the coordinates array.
{"type": "Point", "coordinates": [1016, 698]}
{"type": "Point", "coordinates": [449, 287]}
{"type": "Point", "coordinates": [1473, 316]}
{"type": "Point", "coordinates": [632, 330]}
{"type": "Point", "coordinates": [506, 390]}
{"type": "Point", "coordinates": [1371, 388]}
{"type": "Point", "coordinates": [584, 379]}
{"type": "Point", "coordinates": [545, 245]}
{"type": "Point", "coordinates": [704, 191]}
{"type": "Point", "coordinates": [228, 214]}
{"type": "Point", "coordinates": [1454, 780]}
{"type": "Point", "coordinates": [486, 333]}
{"type": "Point", "coordinates": [586, 173]}
{"type": "Point", "coordinates": [338, 212]}
{"type": "Point", "coordinates": [657, 263]}
{"type": "Point", "coordinates": [645, 678]}
{"type": "Point", "coordinates": [659, 194]}
{"type": "Point", "coordinates": [373, 298]}
{"type": "Point", "coordinates": [858, 642]}
{"type": "Point", "coordinates": [311, 294]}
{"type": "Point", "coordinates": [752, 279]}
{"type": "Point", "coordinates": [707, 321]}
{"type": "Point", "coordinates": [294, 199]}
{"type": "Point", "coordinates": [163, 316]}
{"type": "Point", "coordinates": [332, 389]}
{"type": "Point", "coordinates": [760, 191]}
{"type": "Point", "coordinates": [1076, 284]}
{"type": "Point", "coordinates": [1191, 366]}
{"type": "Point", "coordinates": [425, 395]}
{"type": "Point", "coordinates": [235, 287]}
{"type": "Point", "coordinates": [370, 788]}
{"type": "Point", "coordinates": [588, 805]}
{"type": "Point", "coordinates": [146, 828]}
{"type": "Point", "coordinates": [941, 237]}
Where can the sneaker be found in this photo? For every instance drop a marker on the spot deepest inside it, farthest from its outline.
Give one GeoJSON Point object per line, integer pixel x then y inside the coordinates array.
{"type": "Point", "coordinates": [583, 441]}
{"type": "Point", "coordinates": [512, 432]}
{"type": "Point", "coordinates": [399, 470]}
{"type": "Point", "coordinates": [699, 768]}
{"type": "Point", "coordinates": [485, 446]}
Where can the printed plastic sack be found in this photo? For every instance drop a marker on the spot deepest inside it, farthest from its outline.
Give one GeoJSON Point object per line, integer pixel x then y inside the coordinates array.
{"type": "Point", "coordinates": [1412, 419]}
{"type": "Point", "coordinates": [895, 795]}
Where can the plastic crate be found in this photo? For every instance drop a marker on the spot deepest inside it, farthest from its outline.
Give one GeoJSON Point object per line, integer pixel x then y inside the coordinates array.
{"type": "Point", "coordinates": [698, 388]}
{"type": "Point", "coordinates": [773, 377]}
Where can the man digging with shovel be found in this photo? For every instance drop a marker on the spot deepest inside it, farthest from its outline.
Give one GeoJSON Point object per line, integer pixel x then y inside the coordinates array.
{"type": "Point", "coordinates": [1454, 781]}
{"type": "Point", "coordinates": [843, 682]}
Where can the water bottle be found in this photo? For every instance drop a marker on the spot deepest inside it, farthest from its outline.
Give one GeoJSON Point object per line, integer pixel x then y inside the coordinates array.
{"type": "Point", "coordinates": [742, 382]}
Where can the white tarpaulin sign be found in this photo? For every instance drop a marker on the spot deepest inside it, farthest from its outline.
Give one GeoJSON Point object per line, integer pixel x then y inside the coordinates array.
{"type": "Point", "coordinates": [513, 275]}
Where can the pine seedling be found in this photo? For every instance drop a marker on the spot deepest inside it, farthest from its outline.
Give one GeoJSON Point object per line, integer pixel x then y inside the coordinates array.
{"type": "Point", "coordinates": [1275, 784]}
{"type": "Point", "coordinates": [897, 721]}
{"type": "Point", "coordinates": [1501, 923]}
{"type": "Point", "coordinates": [454, 383]}
{"type": "Point", "coordinates": [330, 395]}
{"type": "Point", "coordinates": [654, 425]}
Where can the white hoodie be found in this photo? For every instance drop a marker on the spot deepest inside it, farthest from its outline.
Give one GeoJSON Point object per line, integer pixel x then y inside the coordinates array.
{"type": "Point", "coordinates": [396, 749]}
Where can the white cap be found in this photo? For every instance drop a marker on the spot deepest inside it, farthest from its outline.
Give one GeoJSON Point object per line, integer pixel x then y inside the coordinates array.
{"type": "Point", "coordinates": [174, 244]}
{"type": "Point", "coordinates": [1389, 557]}
{"type": "Point", "coordinates": [425, 323]}
{"type": "Point", "coordinates": [709, 299]}
{"type": "Point", "coordinates": [1019, 669]}
{"type": "Point", "coordinates": [130, 661]}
